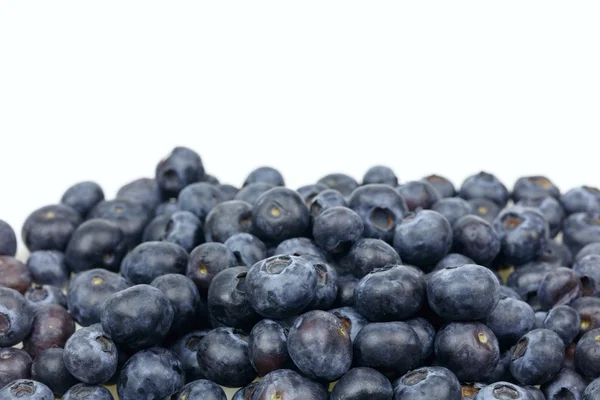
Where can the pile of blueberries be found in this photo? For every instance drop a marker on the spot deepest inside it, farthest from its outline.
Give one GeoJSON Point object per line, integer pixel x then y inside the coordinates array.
{"type": "Point", "coordinates": [337, 290]}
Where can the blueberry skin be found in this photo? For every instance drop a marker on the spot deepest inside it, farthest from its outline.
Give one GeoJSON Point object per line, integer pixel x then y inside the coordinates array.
{"type": "Point", "coordinates": [131, 217]}
{"type": "Point", "coordinates": [566, 383]}
{"type": "Point", "coordinates": [137, 317]}
{"type": "Point", "coordinates": [428, 383]}
{"type": "Point", "coordinates": [475, 238]}
{"type": "Point", "coordinates": [267, 347]}
{"type": "Point", "coordinates": [206, 261]}
{"type": "Point", "coordinates": [300, 247]}
{"type": "Point", "coordinates": [369, 254]}
{"type": "Point", "coordinates": [510, 320]}
{"type": "Point", "coordinates": [465, 293]}
{"type": "Point", "coordinates": [167, 207]}
{"type": "Point", "coordinates": [320, 346]}
{"type": "Point", "coordinates": [336, 229]}
{"type": "Point", "coordinates": [52, 326]}
{"type": "Point", "coordinates": [537, 357]}
{"type": "Point", "coordinates": [588, 269]}
{"type": "Point", "coordinates": [14, 364]}
{"type": "Point", "coordinates": [45, 294]}
{"type": "Point", "coordinates": [281, 286]}
{"type": "Point", "coordinates": [81, 391]}
{"type": "Point", "coordinates": [534, 187]}
{"type": "Point", "coordinates": [143, 191]}
{"type": "Point", "coordinates": [265, 175]}
{"type": "Point", "coordinates": [26, 389]}
{"type": "Point", "coordinates": [426, 333]}
{"type": "Point", "coordinates": [485, 209]}
{"type": "Point", "coordinates": [592, 391]}
{"type": "Point", "coordinates": [469, 349]}
{"type": "Point", "coordinates": [592, 248]}
{"type": "Point", "coordinates": [223, 357]}
{"type": "Point", "coordinates": [380, 208]}
{"type": "Point", "coordinates": [150, 260]}
{"type": "Point", "coordinates": [424, 238]}
{"type": "Point", "coordinates": [201, 389]}
{"type": "Point", "coordinates": [351, 319]}
{"type": "Point", "coordinates": [14, 274]}
{"type": "Point", "coordinates": [228, 301]}
{"type": "Point", "coordinates": [523, 233]}
{"type": "Point", "coordinates": [227, 219]}
{"type": "Point", "coordinates": [392, 348]}
{"type": "Point", "coordinates": [289, 385]}
{"type": "Point", "coordinates": [550, 209]}
{"type": "Point", "coordinates": [245, 393]}
{"type": "Point", "coordinates": [186, 347]}
{"type": "Point", "coordinates": [484, 185]}
{"type": "Point", "coordinates": [502, 371]}
{"type": "Point", "coordinates": [150, 374]}
{"type": "Point", "coordinates": [210, 179]}
{"type": "Point", "coordinates": [581, 199]}
{"type": "Point", "coordinates": [526, 280]}
{"type": "Point", "coordinates": [558, 254]}
{"type": "Point", "coordinates": [252, 192]}
{"type": "Point", "coordinates": [279, 214]}
{"type": "Point", "coordinates": [183, 229]}
{"type": "Point", "coordinates": [362, 383]}
{"type": "Point", "coordinates": [540, 317]}
{"type": "Point", "coordinates": [380, 174]}
{"type": "Point", "coordinates": [48, 267]}
{"type": "Point", "coordinates": [180, 168]}
{"type": "Point", "coordinates": [8, 240]}
{"type": "Point", "coordinates": [88, 290]}
{"type": "Point", "coordinates": [345, 293]}
{"type": "Point", "coordinates": [228, 191]}
{"type": "Point", "coordinates": [559, 286]}
{"type": "Point", "coordinates": [587, 354]}
{"type": "Point", "coordinates": [535, 393]}
{"type": "Point", "coordinates": [200, 199]}
{"type": "Point", "coordinates": [444, 187]}
{"type": "Point", "coordinates": [581, 229]}
{"type": "Point", "coordinates": [340, 182]}
{"type": "Point", "coordinates": [49, 369]}
{"type": "Point", "coordinates": [505, 292]}
{"type": "Point", "coordinates": [453, 208]}
{"type": "Point", "coordinates": [452, 260]}
{"type": "Point", "coordinates": [50, 227]}
{"type": "Point", "coordinates": [246, 248]}
{"type": "Point", "coordinates": [16, 317]}
{"type": "Point", "coordinates": [503, 390]}
{"type": "Point", "coordinates": [418, 194]}
{"type": "Point", "coordinates": [96, 243]}
{"type": "Point", "coordinates": [184, 298]}
{"type": "Point", "coordinates": [391, 293]}
{"type": "Point", "coordinates": [82, 197]}
{"type": "Point", "coordinates": [588, 309]}
{"type": "Point", "coordinates": [326, 199]}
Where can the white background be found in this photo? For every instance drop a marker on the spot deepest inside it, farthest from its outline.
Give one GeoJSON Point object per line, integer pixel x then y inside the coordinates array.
{"type": "Point", "coordinates": [103, 90]}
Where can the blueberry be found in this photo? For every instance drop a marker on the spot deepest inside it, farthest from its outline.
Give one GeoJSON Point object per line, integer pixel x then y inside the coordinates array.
{"type": "Point", "coordinates": [150, 260]}
{"type": "Point", "coordinates": [426, 333]}
{"type": "Point", "coordinates": [392, 348]}
{"type": "Point", "coordinates": [288, 385]}
{"type": "Point", "coordinates": [227, 219]}
{"type": "Point", "coordinates": [588, 269]}
{"type": "Point", "coordinates": [45, 294]}
{"type": "Point", "coordinates": [362, 383]}
{"type": "Point", "coordinates": [206, 261]}
{"type": "Point", "coordinates": [510, 320]}
{"type": "Point", "coordinates": [137, 317]}
{"type": "Point", "coordinates": [550, 209]}
{"type": "Point", "coordinates": [502, 371]}
{"type": "Point", "coordinates": [88, 290]}
{"type": "Point", "coordinates": [327, 287]}
{"type": "Point", "coordinates": [82, 391]}
{"type": "Point", "coordinates": [453, 208]}
{"type": "Point", "coordinates": [52, 326]}
{"type": "Point", "coordinates": [485, 209]}
{"type": "Point", "coordinates": [587, 354]}
{"type": "Point", "coordinates": [380, 174]}
{"type": "Point", "coordinates": [252, 192]}
{"type": "Point", "coordinates": [279, 214]}
{"type": "Point", "coordinates": [503, 391]}
{"type": "Point", "coordinates": [484, 185]}
{"type": "Point", "coordinates": [391, 293]}
{"type": "Point", "coordinates": [452, 260]}
{"type": "Point", "coordinates": [200, 199]}
{"type": "Point", "coordinates": [267, 347]}
{"type": "Point", "coordinates": [581, 199]}
{"type": "Point", "coordinates": [182, 228]}
{"type": "Point", "coordinates": [581, 229]}
{"type": "Point", "coordinates": [48, 267]}
{"type": "Point", "coordinates": [50, 227]}
{"type": "Point", "coordinates": [444, 187]}
{"type": "Point", "coordinates": [167, 207]}
{"type": "Point", "coordinates": [380, 208]}
{"type": "Point", "coordinates": [428, 383]}
{"type": "Point", "coordinates": [49, 369]}
{"type": "Point", "coordinates": [558, 254]}
{"type": "Point", "coordinates": [526, 281]}
{"type": "Point", "coordinates": [245, 393]}
{"type": "Point", "coordinates": [309, 192]}
{"type": "Point", "coordinates": [351, 319]}
{"type": "Point", "coordinates": [155, 373]}
{"type": "Point", "coordinates": [300, 247]}
{"type": "Point", "coordinates": [180, 168]}
{"type": "Point", "coordinates": [281, 286]}
{"type": "Point", "coordinates": [8, 240]}
{"type": "Point", "coordinates": [201, 389]}
{"type": "Point", "coordinates": [345, 293]}
{"type": "Point", "coordinates": [186, 348]}
{"type": "Point", "coordinates": [14, 364]}
{"type": "Point", "coordinates": [559, 286]}
{"type": "Point", "coordinates": [540, 317]}
{"type": "Point", "coordinates": [475, 238]}
{"type": "Point", "coordinates": [336, 229]}
{"type": "Point", "coordinates": [144, 191]}
{"type": "Point", "coordinates": [535, 393]}
{"type": "Point", "coordinates": [184, 298]}
{"type": "Point", "coordinates": [423, 238]}
{"type": "Point", "coordinates": [265, 175]}
{"type": "Point", "coordinates": [592, 391]}
{"type": "Point", "coordinates": [228, 191]}
{"type": "Point", "coordinates": [210, 179]}
{"type": "Point", "coordinates": [464, 293]}
{"type": "Point", "coordinates": [223, 357]}
{"type": "Point", "coordinates": [534, 187]}
{"type": "Point", "coordinates": [82, 197]}
{"type": "Point", "coordinates": [26, 389]}
{"type": "Point", "coordinates": [469, 349]}
{"type": "Point", "coordinates": [566, 384]}
{"type": "Point", "coordinates": [130, 217]}
{"type": "Point", "coordinates": [247, 248]}
{"type": "Point", "coordinates": [418, 194]}
{"type": "Point", "coordinates": [537, 357]}
{"type": "Point", "coordinates": [96, 243]}
{"type": "Point", "coordinates": [592, 248]}
{"type": "Point", "coordinates": [369, 254]}
{"type": "Point", "coordinates": [14, 274]}
{"type": "Point", "coordinates": [91, 355]}
{"type": "Point", "coordinates": [16, 317]}
{"type": "Point", "coordinates": [340, 182]}
{"type": "Point", "coordinates": [588, 309]}
{"type": "Point", "coordinates": [326, 199]}
{"type": "Point", "coordinates": [505, 292]}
